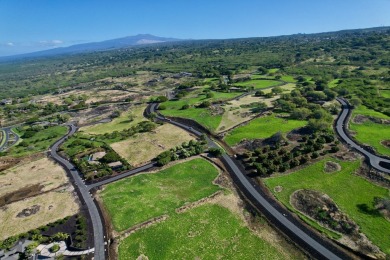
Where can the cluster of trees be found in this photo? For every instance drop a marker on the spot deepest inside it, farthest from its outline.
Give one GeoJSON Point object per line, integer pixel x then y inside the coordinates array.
{"type": "Point", "coordinates": [301, 105]}
{"type": "Point", "coordinates": [181, 152]}
{"type": "Point", "coordinates": [97, 170]}
{"type": "Point", "coordinates": [141, 127]}
{"type": "Point", "coordinates": [268, 160]}
{"type": "Point", "coordinates": [36, 236]}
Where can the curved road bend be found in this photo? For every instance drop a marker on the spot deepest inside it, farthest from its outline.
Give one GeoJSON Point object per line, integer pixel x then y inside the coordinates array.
{"type": "Point", "coordinates": [7, 131]}
{"type": "Point", "coordinates": [341, 127]}
{"type": "Point", "coordinates": [283, 221]}
{"type": "Point", "coordinates": [98, 231]}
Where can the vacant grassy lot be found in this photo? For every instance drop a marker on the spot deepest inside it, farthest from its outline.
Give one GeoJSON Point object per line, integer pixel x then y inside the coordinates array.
{"type": "Point", "coordinates": [205, 232]}
{"type": "Point", "coordinates": [143, 147]}
{"type": "Point", "coordinates": [372, 134]}
{"type": "Point", "coordinates": [350, 192]}
{"type": "Point", "coordinates": [120, 123]}
{"type": "Point", "coordinates": [204, 116]}
{"type": "Point", "coordinates": [369, 132]}
{"type": "Point", "coordinates": [41, 141]}
{"type": "Point", "coordinates": [53, 206]}
{"type": "Point", "coordinates": [137, 199]}
{"type": "Point", "coordinates": [363, 110]}
{"type": "Point", "coordinates": [259, 83]}
{"type": "Point", "coordinates": [42, 171]}
{"type": "Point", "coordinates": [262, 127]}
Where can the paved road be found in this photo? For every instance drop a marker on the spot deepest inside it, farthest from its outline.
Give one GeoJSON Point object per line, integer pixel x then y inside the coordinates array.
{"type": "Point", "coordinates": [7, 131]}
{"type": "Point", "coordinates": [244, 181]}
{"type": "Point", "coordinates": [341, 128]}
{"type": "Point", "coordinates": [98, 231]}
{"type": "Point", "coordinates": [123, 175]}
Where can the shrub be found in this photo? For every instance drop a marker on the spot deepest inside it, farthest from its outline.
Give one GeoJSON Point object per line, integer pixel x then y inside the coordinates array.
{"type": "Point", "coordinates": [186, 106]}
{"type": "Point", "coordinates": [216, 152]}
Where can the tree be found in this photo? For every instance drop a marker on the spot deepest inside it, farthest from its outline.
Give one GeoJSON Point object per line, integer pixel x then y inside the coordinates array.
{"type": "Point", "coordinates": [300, 113]}
{"type": "Point", "coordinates": [209, 95]}
{"type": "Point", "coordinates": [216, 152]}
{"type": "Point", "coordinates": [262, 70]}
{"type": "Point", "coordinates": [162, 107]}
{"type": "Point", "coordinates": [277, 90]}
{"type": "Point", "coordinates": [355, 102]}
{"type": "Point", "coordinates": [260, 107]}
{"type": "Point", "coordinates": [161, 99]}
{"type": "Point", "coordinates": [205, 104]}
{"type": "Point", "coordinates": [185, 106]}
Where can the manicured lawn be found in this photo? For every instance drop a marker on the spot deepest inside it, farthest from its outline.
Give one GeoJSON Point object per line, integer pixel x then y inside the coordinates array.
{"type": "Point", "coordinates": [262, 127]}
{"type": "Point", "coordinates": [372, 134]}
{"type": "Point", "coordinates": [346, 189]}
{"type": "Point", "coordinates": [206, 232]}
{"type": "Point", "coordinates": [120, 123]}
{"type": "Point", "coordinates": [259, 83]}
{"type": "Point", "coordinates": [140, 198]}
{"type": "Point", "coordinates": [41, 141]}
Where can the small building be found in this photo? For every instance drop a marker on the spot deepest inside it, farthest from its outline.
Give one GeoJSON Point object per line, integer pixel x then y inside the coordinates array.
{"type": "Point", "coordinates": [115, 165]}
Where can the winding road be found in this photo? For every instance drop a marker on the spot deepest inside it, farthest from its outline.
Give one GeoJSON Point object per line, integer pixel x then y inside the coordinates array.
{"type": "Point", "coordinates": [341, 129]}
{"type": "Point", "coordinates": [83, 190]}
{"type": "Point", "coordinates": [6, 132]}
{"type": "Point", "coordinates": [310, 243]}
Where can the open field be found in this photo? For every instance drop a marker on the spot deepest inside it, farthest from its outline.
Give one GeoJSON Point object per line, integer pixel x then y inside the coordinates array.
{"type": "Point", "coordinates": [41, 141]}
{"type": "Point", "coordinates": [372, 134]}
{"type": "Point", "coordinates": [385, 93]}
{"type": "Point", "coordinates": [42, 171]}
{"type": "Point", "coordinates": [143, 147]}
{"type": "Point", "coordinates": [262, 127]}
{"type": "Point", "coordinates": [258, 83]}
{"type": "Point", "coordinates": [118, 124]}
{"type": "Point", "coordinates": [204, 116]}
{"type": "Point", "coordinates": [362, 110]}
{"type": "Point", "coordinates": [205, 232]}
{"type": "Point", "coordinates": [52, 206]}
{"type": "Point", "coordinates": [93, 96]}
{"type": "Point", "coordinates": [134, 200]}
{"type": "Point", "coordinates": [234, 114]}
{"type": "Point", "coordinates": [360, 192]}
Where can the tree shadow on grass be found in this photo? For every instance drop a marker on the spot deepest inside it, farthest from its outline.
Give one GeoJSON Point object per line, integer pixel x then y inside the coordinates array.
{"type": "Point", "coordinates": [364, 208]}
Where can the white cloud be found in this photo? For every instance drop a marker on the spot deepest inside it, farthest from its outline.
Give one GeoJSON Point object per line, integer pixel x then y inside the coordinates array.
{"type": "Point", "coordinates": [10, 44]}
{"type": "Point", "coordinates": [57, 41]}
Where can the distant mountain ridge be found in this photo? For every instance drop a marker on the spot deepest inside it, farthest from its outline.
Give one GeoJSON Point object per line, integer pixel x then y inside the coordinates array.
{"type": "Point", "coordinates": [140, 39]}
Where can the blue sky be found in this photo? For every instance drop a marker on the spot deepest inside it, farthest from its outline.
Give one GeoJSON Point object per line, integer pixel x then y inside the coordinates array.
{"type": "Point", "coordinates": [31, 25]}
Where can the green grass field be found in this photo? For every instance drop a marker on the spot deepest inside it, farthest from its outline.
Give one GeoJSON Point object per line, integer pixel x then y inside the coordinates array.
{"type": "Point", "coordinates": [140, 198]}
{"type": "Point", "coordinates": [385, 93]}
{"type": "Point", "coordinates": [120, 123]}
{"type": "Point", "coordinates": [41, 141]}
{"type": "Point", "coordinates": [206, 232]}
{"type": "Point", "coordinates": [371, 133]}
{"type": "Point", "coordinates": [262, 127]}
{"type": "Point", "coordinates": [363, 110]}
{"type": "Point", "coordinates": [202, 115]}
{"type": "Point", "coordinates": [259, 83]}
{"type": "Point", "coordinates": [333, 83]}
{"type": "Point", "coordinates": [346, 189]}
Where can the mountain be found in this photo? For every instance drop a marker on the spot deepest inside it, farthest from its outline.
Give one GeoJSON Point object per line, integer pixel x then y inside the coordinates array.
{"type": "Point", "coordinates": [140, 39]}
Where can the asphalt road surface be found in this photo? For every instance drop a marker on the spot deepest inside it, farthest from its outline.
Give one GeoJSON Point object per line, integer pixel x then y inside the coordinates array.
{"type": "Point", "coordinates": [341, 127]}
{"type": "Point", "coordinates": [123, 175]}
{"type": "Point", "coordinates": [98, 231]}
{"type": "Point", "coordinates": [7, 131]}
{"type": "Point", "coordinates": [282, 220]}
